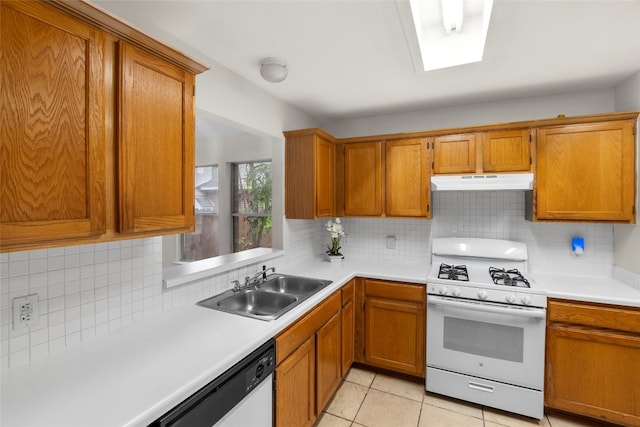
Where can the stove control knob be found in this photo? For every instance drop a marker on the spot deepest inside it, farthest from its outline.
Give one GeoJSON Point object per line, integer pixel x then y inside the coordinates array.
{"type": "Point", "coordinates": [443, 290]}
{"type": "Point", "coordinates": [482, 294]}
{"type": "Point", "coordinates": [526, 299]}
{"type": "Point", "coordinates": [456, 292]}
{"type": "Point", "coordinates": [511, 298]}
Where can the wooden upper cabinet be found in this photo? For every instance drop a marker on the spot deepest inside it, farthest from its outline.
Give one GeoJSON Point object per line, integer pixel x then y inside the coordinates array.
{"type": "Point", "coordinates": [454, 153]}
{"type": "Point", "coordinates": [586, 172]}
{"type": "Point", "coordinates": [96, 135]}
{"type": "Point", "coordinates": [363, 179]}
{"type": "Point", "coordinates": [156, 144]}
{"type": "Point", "coordinates": [52, 173]}
{"type": "Point", "coordinates": [325, 177]}
{"type": "Point", "coordinates": [506, 151]}
{"type": "Point", "coordinates": [309, 174]}
{"type": "Point", "coordinates": [407, 178]}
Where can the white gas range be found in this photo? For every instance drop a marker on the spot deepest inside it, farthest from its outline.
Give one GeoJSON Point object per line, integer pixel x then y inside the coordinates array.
{"type": "Point", "coordinates": [486, 325]}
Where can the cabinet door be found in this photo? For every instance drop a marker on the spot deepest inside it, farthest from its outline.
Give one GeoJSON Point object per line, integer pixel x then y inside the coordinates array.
{"type": "Point", "coordinates": [363, 179]}
{"type": "Point", "coordinates": [506, 151]}
{"type": "Point", "coordinates": [394, 326]}
{"type": "Point", "coordinates": [407, 178]}
{"type": "Point", "coordinates": [328, 361]}
{"type": "Point", "coordinates": [52, 174]}
{"type": "Point", "coordinates": [586, 172]}
{"type": "Point", "coordinates": [348, 333]}
{"type": "Point", "coordinates": [454, 154]}
{"type": "Point", "coordinates": [156, 144]}
{"type": "Point", "coordinates": [295, 388]}
{"type": "Point", "coordinates": [347, 322]}
{"type": "Point", "coordinates": [325, 172]}
{"type": "Point", "coordinates": [594, 373]}
{"type": "Point", "coordinates": [309, 174]}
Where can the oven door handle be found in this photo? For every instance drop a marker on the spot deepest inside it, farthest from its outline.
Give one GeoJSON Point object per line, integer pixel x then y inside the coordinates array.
{"type": "Point", "coordinates": [528, 312]}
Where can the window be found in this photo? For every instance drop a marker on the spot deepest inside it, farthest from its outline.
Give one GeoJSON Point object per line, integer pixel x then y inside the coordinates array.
{"type": "Point", "coordinates": [251, 205]}
{"type": "Point", "coordinates": [204, 241]}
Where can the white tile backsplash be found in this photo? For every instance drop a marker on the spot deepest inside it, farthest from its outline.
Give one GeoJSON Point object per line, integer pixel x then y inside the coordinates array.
{"type": "Point", "coordinates": [90, 290]}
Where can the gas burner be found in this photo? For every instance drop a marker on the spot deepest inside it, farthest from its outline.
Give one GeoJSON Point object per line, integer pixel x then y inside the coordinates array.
{"type": "Point", "coordinates": [453, 272]}
{"type": "Point", "coordinates": [512, 277]}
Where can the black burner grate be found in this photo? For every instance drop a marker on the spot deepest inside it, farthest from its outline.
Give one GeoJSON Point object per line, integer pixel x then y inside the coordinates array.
{"type": "Point", "coordinates": [512, 277]}
{"type": "Point", "coordinates": [453, 272]}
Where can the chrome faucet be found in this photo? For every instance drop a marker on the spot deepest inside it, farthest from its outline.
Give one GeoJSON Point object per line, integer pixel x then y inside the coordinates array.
{"type": "Point", "coordinates": [258, 278]}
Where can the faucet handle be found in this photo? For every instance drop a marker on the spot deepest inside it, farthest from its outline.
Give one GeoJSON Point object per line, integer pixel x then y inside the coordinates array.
{"type": "Point", "coordinates": [236, 285]}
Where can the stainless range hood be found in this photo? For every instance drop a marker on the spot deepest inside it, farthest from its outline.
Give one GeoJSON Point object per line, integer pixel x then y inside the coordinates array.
{"type": "Point", "coordinates": [489, 182]}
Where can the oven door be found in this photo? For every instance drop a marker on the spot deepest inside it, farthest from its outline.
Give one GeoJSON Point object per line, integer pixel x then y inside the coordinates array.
{"type": "Point", "coordinates": [487, 340]}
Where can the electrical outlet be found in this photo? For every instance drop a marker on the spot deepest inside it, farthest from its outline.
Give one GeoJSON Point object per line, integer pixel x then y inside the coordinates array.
{"type": "Point", "coordinates": [391, 242]}
{"type": "Point", "coordinates": [25, 311]}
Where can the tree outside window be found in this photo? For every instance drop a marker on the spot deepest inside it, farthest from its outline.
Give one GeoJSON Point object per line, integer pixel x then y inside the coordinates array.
{"type": "Point", "coordinates": [251, 205]}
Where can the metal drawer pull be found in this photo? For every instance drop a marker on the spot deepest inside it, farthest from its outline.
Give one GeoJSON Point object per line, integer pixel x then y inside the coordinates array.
{"type": "Point", "coordinates": [481, 387]}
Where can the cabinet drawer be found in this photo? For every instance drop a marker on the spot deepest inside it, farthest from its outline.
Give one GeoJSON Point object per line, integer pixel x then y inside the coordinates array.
{"type": "Point", "coordinates": [595, 315]}
{"type": "Point", "coordinates": [395, 291]}
{"type": "Point", "coordinates": [299, 332]}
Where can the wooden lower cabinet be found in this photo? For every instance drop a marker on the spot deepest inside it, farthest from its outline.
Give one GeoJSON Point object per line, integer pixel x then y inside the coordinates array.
{"type": "Point", "coordinates": [347, 325]}
{"type": "Point", "coordinates": [308, 357]}
{"type": "Point", "coordinates": [392, 329]}
{"type": "Point", "coordinates": [593, 361]}
{"type": "Point", "coordinates": [328, 361]}
{"type": "Point", "coordinates": [295, 387]}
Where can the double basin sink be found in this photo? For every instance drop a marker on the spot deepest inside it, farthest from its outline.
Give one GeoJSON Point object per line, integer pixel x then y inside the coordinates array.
{"type": "Point", "coordinates": [266, 300]}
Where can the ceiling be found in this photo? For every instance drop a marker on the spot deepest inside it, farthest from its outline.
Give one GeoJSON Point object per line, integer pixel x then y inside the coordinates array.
{"type": "Point", "coordinates": [354, 58]}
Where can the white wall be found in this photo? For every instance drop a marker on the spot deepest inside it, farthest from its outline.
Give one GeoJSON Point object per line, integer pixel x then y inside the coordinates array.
{"type": "Point", "coordinates": [574, 104]}
{"type": "Point", "coordinates": [226, 95]}
{"type": "Point", "coordinates": [627, 237]}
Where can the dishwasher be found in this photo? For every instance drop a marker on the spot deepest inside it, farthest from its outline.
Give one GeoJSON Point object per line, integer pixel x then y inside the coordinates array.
{"type": "Point", "coordinates": [240, 397]}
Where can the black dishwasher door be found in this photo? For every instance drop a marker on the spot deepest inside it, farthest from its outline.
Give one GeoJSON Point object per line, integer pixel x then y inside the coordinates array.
{"type": "Point", "coordinates": [212, 402]}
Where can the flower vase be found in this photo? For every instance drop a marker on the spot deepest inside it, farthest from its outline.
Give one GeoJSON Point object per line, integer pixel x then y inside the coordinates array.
{"type": "Point", "coordinates": [336, 259]}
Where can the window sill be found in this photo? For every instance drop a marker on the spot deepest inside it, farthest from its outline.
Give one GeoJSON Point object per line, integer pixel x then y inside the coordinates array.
{"type": "Point", "coordinates": [188, 272]}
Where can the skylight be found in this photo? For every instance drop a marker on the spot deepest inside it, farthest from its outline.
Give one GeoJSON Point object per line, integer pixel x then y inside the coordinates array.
{"type": "Point", "coordinates": [451, 32]}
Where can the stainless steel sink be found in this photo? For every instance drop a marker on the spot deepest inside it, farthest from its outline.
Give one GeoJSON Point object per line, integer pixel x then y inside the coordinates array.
{"type": "Point", "coordinates": [293, 284]}
{"type": "Point", "coordinates": [267, 300]}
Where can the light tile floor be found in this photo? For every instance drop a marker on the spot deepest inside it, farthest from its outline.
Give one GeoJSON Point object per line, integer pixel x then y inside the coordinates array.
{"type": "Point", "coordinates": [369, 399]}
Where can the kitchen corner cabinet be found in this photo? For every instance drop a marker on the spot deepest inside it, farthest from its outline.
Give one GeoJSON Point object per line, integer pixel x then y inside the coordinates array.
{"type": "Point", "coordinates": [308, 364]}
{"type": "Point", "coordinates": [97, 121]}
{"type": "Point", "coordinates": [52, 175]}
{"type": "Point", "coordinates": [407, 178]}
{"type": "Point", "coordinates": [592, 355]}
{"type": "Point", "coordinates": [309, 174]}
{"type": "Point", "coordinates": [363, 179]}
{"type": "Point", "coordinates": [156, 144]}
{"type": "Point", "coordinates": [586, 172]}
{"type": "Point", "coordinates": [391, 332]}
